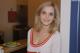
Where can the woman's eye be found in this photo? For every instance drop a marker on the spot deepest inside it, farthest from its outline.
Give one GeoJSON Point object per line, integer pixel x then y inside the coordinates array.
{"type": "Point", "coordinates": [43, 12]}
{"type": "Point", "coordinates": [51, 14]}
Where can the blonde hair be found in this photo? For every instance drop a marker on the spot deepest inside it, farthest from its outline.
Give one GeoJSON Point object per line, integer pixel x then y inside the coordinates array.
{"type": "Point", "coordinates": [54, 25]}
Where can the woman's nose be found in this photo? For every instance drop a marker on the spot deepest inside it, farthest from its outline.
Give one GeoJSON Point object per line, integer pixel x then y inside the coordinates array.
{"type": "Point", "coordinates": [47, 16]}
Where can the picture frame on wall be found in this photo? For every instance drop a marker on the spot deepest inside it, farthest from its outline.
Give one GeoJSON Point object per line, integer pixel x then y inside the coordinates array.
{"type": "Point", "coordinates": [12, 16]}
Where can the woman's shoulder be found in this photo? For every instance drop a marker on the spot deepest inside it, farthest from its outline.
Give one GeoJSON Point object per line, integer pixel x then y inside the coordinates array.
{"type": "Point", "coordinates": [56, 34]}
{"type": "Point", "coordinates": [29, 30]}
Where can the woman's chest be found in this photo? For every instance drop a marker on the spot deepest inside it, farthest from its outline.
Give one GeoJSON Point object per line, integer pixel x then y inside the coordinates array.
{"type": "Point", "coordinates": [46, 48]}
{"type": "Point", "coordinates": [37, 39]}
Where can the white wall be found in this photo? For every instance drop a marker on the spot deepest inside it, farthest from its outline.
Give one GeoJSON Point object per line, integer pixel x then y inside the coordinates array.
{"type": "Point", "coordinates": [5, 26]}
{"type": "Point", "coordinates": [65, 24]}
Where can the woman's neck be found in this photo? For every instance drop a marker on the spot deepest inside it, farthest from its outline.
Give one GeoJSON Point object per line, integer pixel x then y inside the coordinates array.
{"type": "Point", "coordinates": [45, 28]}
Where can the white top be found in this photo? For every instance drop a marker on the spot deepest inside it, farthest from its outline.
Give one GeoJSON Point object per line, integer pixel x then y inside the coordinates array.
{"type": "Point", "coordinates": [52, 45]}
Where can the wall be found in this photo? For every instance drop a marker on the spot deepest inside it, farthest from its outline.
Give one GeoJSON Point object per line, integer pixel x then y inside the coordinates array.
{"type": "Point", "coordinates": [65, 25]}
{"type": "Point", "coordinates": [22, 2]}
{"type": "Point", "coordinates": [5, 6]}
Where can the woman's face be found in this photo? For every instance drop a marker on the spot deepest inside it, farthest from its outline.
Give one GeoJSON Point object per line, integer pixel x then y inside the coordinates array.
{"type": "Point", "coordinates": [47, 15]}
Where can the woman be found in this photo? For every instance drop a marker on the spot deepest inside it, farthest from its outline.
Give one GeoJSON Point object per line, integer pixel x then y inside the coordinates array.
{"type": "Point", "coordinates": [44, 36]}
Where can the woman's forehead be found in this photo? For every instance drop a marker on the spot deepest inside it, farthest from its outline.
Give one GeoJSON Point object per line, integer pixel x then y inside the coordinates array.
{"type": "Point", "coordinates": [48, 9]}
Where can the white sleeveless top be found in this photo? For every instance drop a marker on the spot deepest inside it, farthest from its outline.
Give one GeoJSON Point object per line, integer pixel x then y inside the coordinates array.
{"type": "Point", "coordinates": [50, 45]}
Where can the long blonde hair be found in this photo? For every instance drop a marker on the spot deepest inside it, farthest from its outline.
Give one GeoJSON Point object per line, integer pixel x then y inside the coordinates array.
{"type": "Point", "coordinates": [54, 25]}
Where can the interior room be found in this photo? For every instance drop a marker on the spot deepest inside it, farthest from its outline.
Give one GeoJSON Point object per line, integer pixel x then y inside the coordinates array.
{"type": "Point", "coordinates": [16, 18]}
